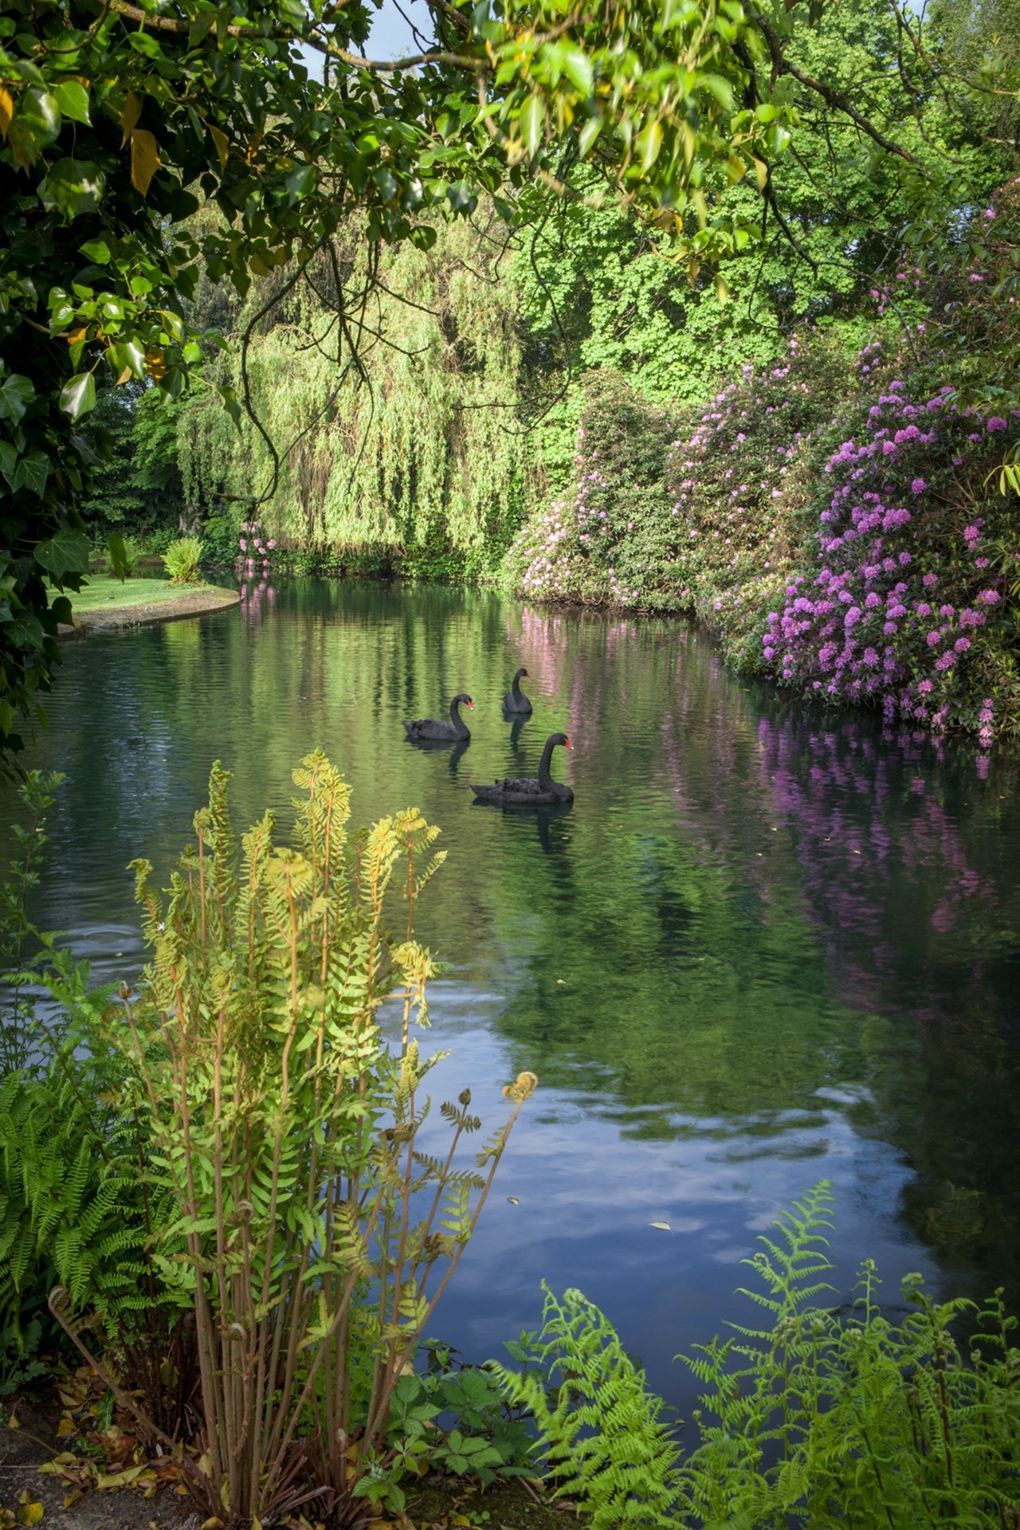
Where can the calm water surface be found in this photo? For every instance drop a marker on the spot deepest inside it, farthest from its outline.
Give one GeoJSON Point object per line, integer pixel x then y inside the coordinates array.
{"type": "Point", "coordinates": [764, 947]}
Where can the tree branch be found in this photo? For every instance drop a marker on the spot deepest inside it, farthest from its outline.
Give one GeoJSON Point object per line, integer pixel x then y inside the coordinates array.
{"type": "Point", "coordinates": [832, 97]}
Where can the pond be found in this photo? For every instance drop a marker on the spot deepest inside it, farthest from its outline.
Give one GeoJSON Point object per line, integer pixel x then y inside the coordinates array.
{"type": "Point", "coordinates": [765, 947]}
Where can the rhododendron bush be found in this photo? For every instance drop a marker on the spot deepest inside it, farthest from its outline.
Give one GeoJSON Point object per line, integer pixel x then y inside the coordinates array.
{"type": "Point", "coordinates": [740, 481]}
{"type": "Point", "coordinates": [835, 517]}
{"type": "Point", "coordinates": [906, 603]}
{"type": "Point", "coordinates": [610, 539]}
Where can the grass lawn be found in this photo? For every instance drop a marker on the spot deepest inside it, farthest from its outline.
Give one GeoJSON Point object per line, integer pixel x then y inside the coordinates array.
{"type": "Point", "coordinates": [105, 593]}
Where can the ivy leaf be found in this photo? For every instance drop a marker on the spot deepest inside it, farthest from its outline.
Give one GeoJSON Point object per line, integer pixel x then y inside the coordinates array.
{"type": "Point", "coordinates": [97, 250]}
{"type": "Point", "coordinates": [145, 160]}
{"type": "Point", "coordinates": [16, 393]}
{"type": "Point", "coordinates": [32, 472]}
{"type": "Point", "coordinates": [63, 554]}
{"type": "Point", "coordinates": [78, 396]}
{"type": "Point", "coordinates": [73, 100]}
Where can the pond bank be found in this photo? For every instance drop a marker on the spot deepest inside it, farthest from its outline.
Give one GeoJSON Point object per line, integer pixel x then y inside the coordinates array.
{"type": "Point", "coordinates": [107, 604]}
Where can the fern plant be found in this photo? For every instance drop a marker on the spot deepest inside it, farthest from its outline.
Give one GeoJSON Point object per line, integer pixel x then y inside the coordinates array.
{"type": "Point", "coordinates": [309, 1238]}
{"type": "Point", "coordinates": [74, 1215]}
{"type": "Point", "coordinates": [822, 1416]}
{"type": "Point", "coordinates": [600, 1428]}
{"type": "Point", "coordinates": [182, 559]}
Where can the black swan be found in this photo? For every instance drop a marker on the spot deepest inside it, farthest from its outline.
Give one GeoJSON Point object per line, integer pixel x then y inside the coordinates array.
{"type": "Point", "coordinates": [530, 791]}
{"type": "Point", "coordinates": [436, 729]}
{"type": "Point", "coordinates": [515, 699]}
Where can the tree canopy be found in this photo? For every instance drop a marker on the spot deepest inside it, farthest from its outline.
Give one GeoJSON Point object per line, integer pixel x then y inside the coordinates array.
{"type": "Point", "coordinates": [121, 122]}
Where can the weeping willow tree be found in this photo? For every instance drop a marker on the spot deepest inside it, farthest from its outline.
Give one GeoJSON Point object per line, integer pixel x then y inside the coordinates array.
{"type": "Point", "coordinates": [384, 404]}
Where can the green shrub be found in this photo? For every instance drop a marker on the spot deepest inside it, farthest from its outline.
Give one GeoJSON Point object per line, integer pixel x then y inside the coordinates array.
{"type": "Point", "coordinates": [182, 559]}
{"type": "Point", "coordinates": [611, 539]}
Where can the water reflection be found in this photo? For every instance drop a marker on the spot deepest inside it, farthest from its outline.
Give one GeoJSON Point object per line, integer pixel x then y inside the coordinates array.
{"type": "Point", "coordinates": [764, 945]}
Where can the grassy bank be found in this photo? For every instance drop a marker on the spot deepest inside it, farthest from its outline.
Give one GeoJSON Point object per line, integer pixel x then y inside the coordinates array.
{"type": "Point", "coordinates": [107, 602]}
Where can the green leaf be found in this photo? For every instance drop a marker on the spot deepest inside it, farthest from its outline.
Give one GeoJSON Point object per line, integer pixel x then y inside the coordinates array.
{"type": "Point", "coordinates": [16, 393]}
{"type": "Point", "coordinates": [118, 555]}
{"type": "Point", "coordinates": [96, 250]}
{"type": "Point", "coordinates": [461, 198]}
{"type": "Point", "coordinates": [78, 396]}
{"type": "Point", "coordinates": [531, 119]}
{"type": "Point", "coordinates": [588, 134]}
{"type": "Point", "coordinates": [63, 554]}
{"type": "Point", "coordinates": [578, 70]}
{"type": "Point", "coordinates": [73, 100]}
{"type": "Point", "coordinates": [648, 143]}
{"type": "Point", "coordinates": [73, 187]}
{"type": "Point", "coordinates": [32, 472]}
{"type": "Point", "coordinates": [300, 182]}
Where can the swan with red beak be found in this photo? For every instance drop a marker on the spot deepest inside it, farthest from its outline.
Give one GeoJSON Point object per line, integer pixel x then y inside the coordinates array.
{"type": "Point", "coordinates": [530, 791]}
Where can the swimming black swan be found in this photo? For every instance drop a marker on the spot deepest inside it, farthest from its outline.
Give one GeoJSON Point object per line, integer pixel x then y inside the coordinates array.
{"type": "Point", "coordinates": [437, 729]}
{"type": "Point", "coordinates": [530, 791]}
{"type": "Point", "coordinates": [515, 699]}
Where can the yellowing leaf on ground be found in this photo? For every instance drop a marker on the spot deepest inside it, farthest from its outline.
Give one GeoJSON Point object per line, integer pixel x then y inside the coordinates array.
{"type": "Point", "coordinates": [111, 1480]}
{"type": "Point", "coordinates": [145, 159]}
{"type": "Point", "coordinates": [66, 1427]}
{"type": "Point", "coordinates": [58, 1467]}
{"type": "Point", "coordinates": [29, 1513]}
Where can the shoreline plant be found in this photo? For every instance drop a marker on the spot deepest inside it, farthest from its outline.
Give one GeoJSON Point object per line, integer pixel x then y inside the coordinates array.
{"type": "Point", "coordinates": [310, 1235]}
{"type": "Point", "coordinates": [182, 560]}
{"type": "Point", "coordinates": [830, 1414]}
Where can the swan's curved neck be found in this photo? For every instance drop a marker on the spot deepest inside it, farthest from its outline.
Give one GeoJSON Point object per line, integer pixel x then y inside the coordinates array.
{"type": "Point", "coordinates": [545, 780]}
{"type": "Point", "coordinates": [457, 720]}
{"type": "Point", "coordinates": [516, 688]}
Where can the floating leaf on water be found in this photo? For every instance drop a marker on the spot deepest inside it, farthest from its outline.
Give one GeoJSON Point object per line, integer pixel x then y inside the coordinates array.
{"type": "Point", "coordinates": [514, 1200]}
{"type": "Point", "coordinates": [662, 1226]}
